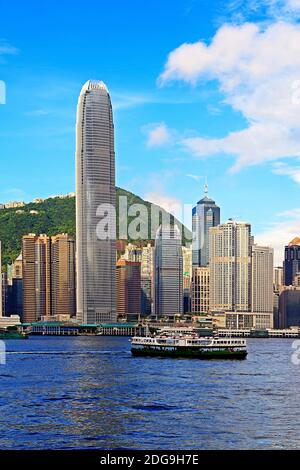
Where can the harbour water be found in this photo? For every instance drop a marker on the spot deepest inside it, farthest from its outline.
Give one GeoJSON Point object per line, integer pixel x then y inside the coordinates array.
{"type": "Point", "coordinates": [89, 392]}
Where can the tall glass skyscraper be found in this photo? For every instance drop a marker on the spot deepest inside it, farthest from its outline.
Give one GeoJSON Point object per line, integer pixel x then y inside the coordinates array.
{"type": "Point", "coordinates": [95, 194]}
{"type": "Point", "coordinates": [206, 214]}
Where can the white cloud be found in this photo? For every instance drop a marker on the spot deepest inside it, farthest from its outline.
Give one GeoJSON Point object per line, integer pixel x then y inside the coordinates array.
{"type": "Point", "coordinates": [258, 71]}
{"type": "Point", "coordinates": [194, 177]}
{"type": "Point", "coordinates": [169, 203]}
{"type": "Point", "coordinates": [6, 48]}
{"type": "Point", "coordinates": [158, 135]}
{"type": "Point", "coordinates": [293, 172]}
{"type": "Point", "coordinates": [280, 233]}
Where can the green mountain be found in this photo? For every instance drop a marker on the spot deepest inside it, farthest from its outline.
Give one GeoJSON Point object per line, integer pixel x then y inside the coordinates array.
{"type": "Point", "coordinates": [56, 215]}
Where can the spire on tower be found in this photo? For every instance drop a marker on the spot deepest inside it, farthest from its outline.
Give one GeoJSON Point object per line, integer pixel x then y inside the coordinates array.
{"type": "Point", "coordinates": [206, 187]}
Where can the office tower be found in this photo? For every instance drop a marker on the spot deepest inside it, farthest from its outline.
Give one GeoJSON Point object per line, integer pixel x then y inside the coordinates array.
{"type": "Point", "coordinates": [187, 266]}
{"type": "Point", "coordinates": [48, 276]}
{"type": "Point", "coordinates": [278, 278]}
{"type": "Point", "coordinates": [230, 267]}
{"type": "Point", "coordinates": [200, 290]}
{"type": "Point", "coordinates": [147, 261]}
{"type": "Point", "coordinates": [187, 278]}
{"type": "Point", "coordinates": [147, 279]}
{"type": "Point", "coordinates": [206, 214]}
{"type": "Point", "coordinates": [146, 296]}
{"type": "Point", "coordinates": [95, 205]}
{"type": "Point", "coordinates": [289, 307]}
{"type": "Point", "coordinates": [63, 275]}
{"type": "Point", "coordinates": [262, 279]}
{"type": "Point", "coordinates": [43, 276]}
{"type": "Point", "coordinates": [128, 287]}
{"type": "Point", "coordinates": [291, 264]}
{"type": "Point", "coordinates": [168, 271]}
{"type": "Point", "coordinates": [29, 273]}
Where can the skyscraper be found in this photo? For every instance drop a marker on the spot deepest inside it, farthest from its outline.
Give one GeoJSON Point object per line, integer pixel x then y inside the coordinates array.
{"type": "Point", "coordinates": [128, 287]}
{"type": "Point", "coordinates": [63, 275]}
{"type": "Point", "coordinates": [48, 276]}
{"type": "Point", "coordinates": [95, 204]}
{"type": "Point", "coordinates": [29, 274]}
{"type": "Point", "coordinates": [200, 290]}
{"type": "Point", "coordinates": [206, 214]}
{"type": "Point", "coordinates": [168, 271]}
{"type": "Point", "coordinates": [291, 265]}
{"type": "Point", "coordinates": [230, 267]}
{"type": "Point", "coordinates": [262, 279]}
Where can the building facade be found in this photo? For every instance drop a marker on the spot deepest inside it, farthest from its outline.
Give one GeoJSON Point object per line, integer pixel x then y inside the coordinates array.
{"type": "Point", "coordinates": [230, 267]}
{"type": "Point", "coordinates": [95, 206]}
{"type": "Point", "coordinates": [262, 279]}
{"type": "Point", "coordinates": [128, 287]}
{"type": "Point", "coordinates": [168, 277]}
{"type": "Point", "coordinates": [63, 279]}
{"type": "Point", "coordinates": [200, 290]}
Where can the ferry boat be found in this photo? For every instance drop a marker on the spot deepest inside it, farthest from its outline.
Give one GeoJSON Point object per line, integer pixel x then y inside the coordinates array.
{"type": "Point", "coordinates": [10, 333]}
{"type": "Point", "coordinates": [189, 346]}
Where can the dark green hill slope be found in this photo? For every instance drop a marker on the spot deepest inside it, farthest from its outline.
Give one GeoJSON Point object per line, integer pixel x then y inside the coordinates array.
{"type": "Point", "coordinates": [54, 216]}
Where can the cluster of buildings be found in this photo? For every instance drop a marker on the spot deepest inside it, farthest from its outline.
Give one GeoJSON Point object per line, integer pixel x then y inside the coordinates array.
{"type": "Point", "coordinates": [223, 275]}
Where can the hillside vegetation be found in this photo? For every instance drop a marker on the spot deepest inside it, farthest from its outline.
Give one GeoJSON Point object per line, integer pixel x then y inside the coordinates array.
{"type": "Point", "coordinates": [55, 215]}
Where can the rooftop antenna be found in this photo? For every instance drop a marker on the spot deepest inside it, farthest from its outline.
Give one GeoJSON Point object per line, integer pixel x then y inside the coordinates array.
{"type": "Point", "coordinates": [206, 187]}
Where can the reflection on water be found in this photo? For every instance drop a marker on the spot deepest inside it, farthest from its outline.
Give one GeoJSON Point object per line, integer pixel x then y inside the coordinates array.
{"type": "Point", "coordinates": [88, 392]}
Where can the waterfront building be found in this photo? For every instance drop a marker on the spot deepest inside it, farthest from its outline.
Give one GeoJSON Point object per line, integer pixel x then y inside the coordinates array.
{"type": "Point", "coordinates": [63, 275]}
{"type": "Point", "coordinates": [262, 279]}
{"type": "Point", "coordinates": [206, 214]}
{"type": "Point", "coordinates": [48, 276]}
{"type": "Point", "coordinates": [43, 276]}
{"type": "Point", "coordinates": [200, 290]}
{"type": "Point", "coordinates": [128, 287]}
{"type": "Point", "coordinates": [95, 204]}
{"type": "Point", "coordinates": [168, 268]}
{"type": "Point", "coordinates": [230, 267]}
{"type": "Point", "coordinates": [29, 275]}
{"type": "Point", "coordinates": [291, 264]}
{"type": "Point", "coordinates": [255, 320]}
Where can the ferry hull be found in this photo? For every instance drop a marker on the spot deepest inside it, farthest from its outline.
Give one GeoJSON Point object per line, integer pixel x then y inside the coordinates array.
{"type": "Point", "coordinates": [191, 353]}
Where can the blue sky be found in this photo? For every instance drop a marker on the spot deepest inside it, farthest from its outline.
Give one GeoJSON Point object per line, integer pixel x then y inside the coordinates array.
{"type": "Point", "coordinates": [173, 113]}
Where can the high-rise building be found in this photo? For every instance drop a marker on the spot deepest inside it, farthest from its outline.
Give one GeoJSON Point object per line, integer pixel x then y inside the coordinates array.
{"type": "Point", "coordinates": [147, 279]}
{"type": "Point", "coordinates": [48, 277]}
{"type": "Point", "coordinates": [29, 274]}
{"type": "Point", "coordinates": [262, 279]}
{"type": "Point", "coordinates": [291, 265]}
{"type": "Point", "coordinates": [230, 267]}
{"type": "Point", "coordinates": [168, 271]}
{"type": "Point", "coordinates": [43, 276]}
{"type": "Point", "coordinates": [95, 205]}
{"type": "Point", "coordinates": [128, 287]}
{"type": "Point", "coordinates": [63, 275]}
{"type": "Point", "coordinates": [146, 296]}
{"type": "Point", "coordinates": [200, 290]}
{"type": "Point", "coordinates": [206, 214]}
